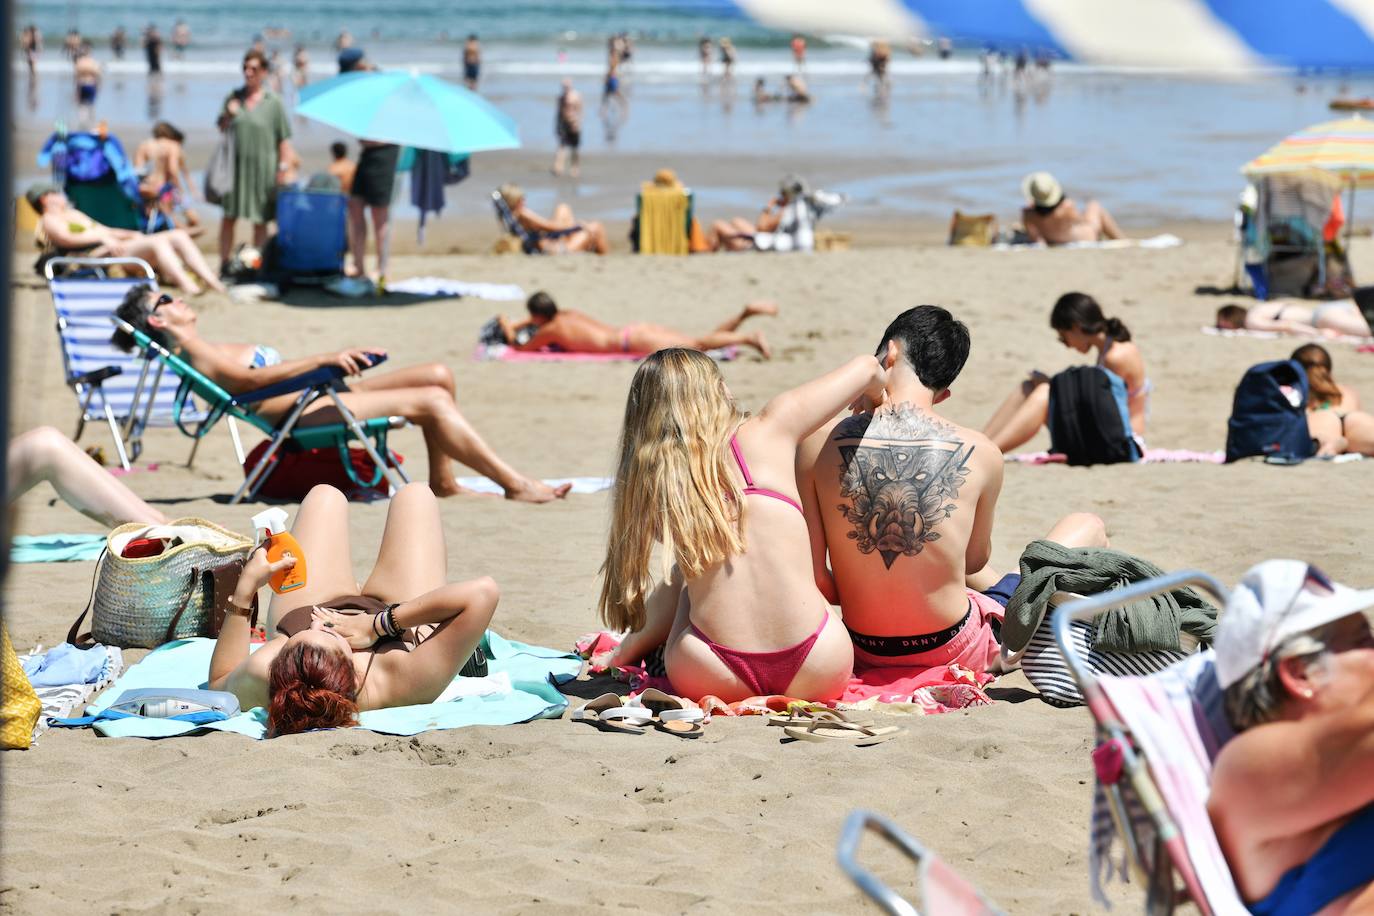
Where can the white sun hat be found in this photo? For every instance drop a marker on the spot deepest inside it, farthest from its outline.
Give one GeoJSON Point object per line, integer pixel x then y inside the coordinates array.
{"type": "Point", "coordinates": [1042, 189]}
{"type": "Point", "coordinates": [1278, 599]}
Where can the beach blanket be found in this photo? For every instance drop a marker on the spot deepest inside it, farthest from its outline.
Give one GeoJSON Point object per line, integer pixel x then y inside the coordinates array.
{"type": "Point", "coordinates": [65, 677]}
{"type": "Point", "coordinates": [1151, 456]}
{"type": "Point", "coordinates": [443, 287]}
{"type": "Point", "coordinates": [1163, 240]}
{"type": "Point", "coordinates": [579, 484]}
{"type": "Point", "coordinates": [55, 548]}
{"type": "Point", "coordinates": [521, 688]}
{"type": "Point", "coordinates": [505, 354]}
{"type": "Point", "coordinates": [917, 691]}
{"type": "Point", "coordinates": [1361, 344]}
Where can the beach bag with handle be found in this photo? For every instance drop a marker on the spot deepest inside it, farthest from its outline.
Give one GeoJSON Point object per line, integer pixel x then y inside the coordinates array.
{"type": "Point", "coordinates": [143, 602]}
{"type": "Point", "coordinates": [219, 174]}
{"type": "Point", "coordinates": [1089, 421]}
{"type": "Point", "coordinates": [1269, 414]}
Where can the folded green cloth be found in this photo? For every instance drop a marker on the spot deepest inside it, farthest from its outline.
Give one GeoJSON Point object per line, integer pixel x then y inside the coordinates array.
{"type": "Point", "coordinates": [1150, 625]}
{"type": "Point", "coordinates": [55, 548]}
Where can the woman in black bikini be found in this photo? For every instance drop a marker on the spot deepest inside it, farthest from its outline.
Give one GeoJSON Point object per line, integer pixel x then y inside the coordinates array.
{"type": "Point", "coordinates": [338, 648]}
{"type": "Point", "coordinates": [1334, 417]}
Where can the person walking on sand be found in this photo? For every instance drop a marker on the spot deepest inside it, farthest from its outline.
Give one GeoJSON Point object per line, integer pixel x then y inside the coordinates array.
{"type": "Point", "coordinates": [727, 58]}
{"type": "Point", "coordinates": [799, 52]}
{"type": "Point", "coordinates": [704, 55]}
{"type": "Point", "coordinates": [152, 49]}
{"type": "Point", "coordinates": [32, 44]}
{"type": "Point", "coordinates": [568, 128]}
{"type": "Point", "coordinates": [472, 62]}
{"type": "Point", "coordinates": [576, 332]}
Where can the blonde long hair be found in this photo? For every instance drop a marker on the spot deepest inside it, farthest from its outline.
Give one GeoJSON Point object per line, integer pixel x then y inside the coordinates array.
{"type": "Point", "coordinates": [673, 482]}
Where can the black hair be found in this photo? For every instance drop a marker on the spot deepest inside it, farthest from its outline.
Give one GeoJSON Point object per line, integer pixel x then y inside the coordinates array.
{"type": "Point", "coordinates": [135, 310]}
{"type": "Point", "coordinates": [541, 305]}
{"type": "Point", "coordinates": [935, 343]}
{"type": "Point", "coordinates": [338, 149]}
{"type": "Point", "coordinates": [1081, 311]}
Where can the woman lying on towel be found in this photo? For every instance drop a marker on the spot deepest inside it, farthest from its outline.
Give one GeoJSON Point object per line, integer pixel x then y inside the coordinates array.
{"type": "Point", "coordinates": [1081, 326]}
{"type": "Point", "coordinates": [424, 395]}
{"type": "Point", "coordinates": [337, 648]}
{"type": "Point", "coordinates": [1337, 318]}
{"type": "Point", "coordinates": [740, 614]}
{"type": "Point", "coordinates": [1292, 796]}
{"type": "Point", "coordinates": [1334, 418]}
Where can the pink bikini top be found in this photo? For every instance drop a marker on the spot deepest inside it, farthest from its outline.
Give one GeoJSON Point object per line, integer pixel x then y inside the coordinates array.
{"type": "Point", "coordinates": [749, 488]}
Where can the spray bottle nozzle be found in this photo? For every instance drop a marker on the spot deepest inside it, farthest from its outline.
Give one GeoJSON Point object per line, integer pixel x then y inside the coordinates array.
{"type": "Point", "coordinates": [270, 521]}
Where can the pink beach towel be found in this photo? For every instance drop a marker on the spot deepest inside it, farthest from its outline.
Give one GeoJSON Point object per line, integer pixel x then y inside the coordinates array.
{"type": "Point", "coordinates": [1362, 344]}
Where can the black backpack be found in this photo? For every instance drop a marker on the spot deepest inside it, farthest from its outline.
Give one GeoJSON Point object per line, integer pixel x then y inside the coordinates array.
{"type": "Point", "coordinates": [1088, 420]}
{"type": "Point", "coordinates": [1266, 419]}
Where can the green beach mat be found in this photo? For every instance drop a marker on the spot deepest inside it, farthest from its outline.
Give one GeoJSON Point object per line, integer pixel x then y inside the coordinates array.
{"type": "Point", "coordinates": [533, 672]}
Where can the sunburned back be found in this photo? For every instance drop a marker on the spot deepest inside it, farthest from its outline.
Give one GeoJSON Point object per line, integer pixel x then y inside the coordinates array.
{"type": "Point", "coordinates": [897, 493]}
{"type": "Point", "coordinates": [578, 332]}
{"type": "Point", "coordinates": [1065, 224]}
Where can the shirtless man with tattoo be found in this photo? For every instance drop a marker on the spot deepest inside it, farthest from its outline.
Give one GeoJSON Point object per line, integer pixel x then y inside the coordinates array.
{"type": "Point", "coordinates": [902, 501]}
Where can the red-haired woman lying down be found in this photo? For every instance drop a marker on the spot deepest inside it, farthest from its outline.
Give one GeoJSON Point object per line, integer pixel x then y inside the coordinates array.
{"type": "Point", "coordinates": [339, 648]}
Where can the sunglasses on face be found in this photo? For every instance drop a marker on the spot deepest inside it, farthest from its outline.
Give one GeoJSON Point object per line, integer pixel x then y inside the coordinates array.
{"type": "Point", "coordinates": [162, 300]}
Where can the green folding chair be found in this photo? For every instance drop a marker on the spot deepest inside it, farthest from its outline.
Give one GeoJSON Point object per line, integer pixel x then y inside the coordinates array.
{"type": "Point", "coordinates": [324, 382]}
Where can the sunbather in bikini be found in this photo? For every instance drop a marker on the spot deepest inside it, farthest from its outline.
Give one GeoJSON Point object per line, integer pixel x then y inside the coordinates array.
{"type": "Point", "coordinates": [577, 332]}
{"type": "Point", "coordinates": [740, 615]}
{"type": "Point", "coordinates": [1290, 316]}
{"type": "Point", "coordinates": [1081, 326]}
{"type": "Point", "coordinates": [1292, 795]}
{"type": "Point", "coordinates": [337, 648]}
{"type": "Point", "coordinates": [424, 395]}
{"type": "Point", "coordinates": [1334, 417]}
{"type": "Point", "coordinates": [562, 234]}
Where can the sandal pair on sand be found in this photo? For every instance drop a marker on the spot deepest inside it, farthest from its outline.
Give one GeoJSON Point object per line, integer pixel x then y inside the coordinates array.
{"type": "Point", "coordinates": [831, 726]}
{"type": "Point", "coordinates": [663, 711]}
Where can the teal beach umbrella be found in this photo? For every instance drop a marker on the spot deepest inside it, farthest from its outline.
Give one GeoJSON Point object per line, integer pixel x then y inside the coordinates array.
{"type": "Point", "coordinates": [411, 109]}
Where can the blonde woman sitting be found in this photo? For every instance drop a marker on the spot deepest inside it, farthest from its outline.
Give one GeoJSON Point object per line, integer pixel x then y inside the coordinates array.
{"type": "Point", "coordinates": [564, 233]}
{"type": "Point", "coordinates": [740, 614]}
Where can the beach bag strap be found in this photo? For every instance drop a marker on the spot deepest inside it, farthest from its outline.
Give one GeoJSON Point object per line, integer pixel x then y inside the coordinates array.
{"type": "Point", "coordinates": [86, 640]}
{"type": "Point", "coordinates": [224, 579]}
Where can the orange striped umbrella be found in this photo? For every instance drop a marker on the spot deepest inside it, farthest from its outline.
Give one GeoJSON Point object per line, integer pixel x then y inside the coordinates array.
{"type": "Point", "coordinates": [1341, 151]}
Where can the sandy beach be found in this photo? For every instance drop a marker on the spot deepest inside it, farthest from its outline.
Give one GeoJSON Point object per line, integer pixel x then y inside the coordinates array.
{"type": "Point", "coordinates": [555, 816]}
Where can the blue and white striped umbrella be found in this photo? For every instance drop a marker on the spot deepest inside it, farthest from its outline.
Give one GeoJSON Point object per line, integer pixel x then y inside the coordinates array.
{"type": "Point", "coordinates": [1222, 35]}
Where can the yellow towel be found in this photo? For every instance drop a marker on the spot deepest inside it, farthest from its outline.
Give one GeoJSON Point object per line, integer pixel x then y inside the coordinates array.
{"type": "Point", "coordinates": [19, 705]}
{"type": "Point", "coordinates": [662, 220]}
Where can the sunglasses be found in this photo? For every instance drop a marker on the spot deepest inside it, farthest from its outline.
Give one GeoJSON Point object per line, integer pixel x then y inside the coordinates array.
{"type": "Point", "coordinates": [162, 300]}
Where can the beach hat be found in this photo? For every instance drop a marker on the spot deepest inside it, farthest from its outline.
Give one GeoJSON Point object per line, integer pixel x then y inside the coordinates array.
{"type": "Point", "coordinates": [36, 191]}
{"type": "Point", "coordinates": [1042, 189]}
{"type": "Point", "coordinates": [665, 178]}
{"type": "Point", "coordinates": [1278, 599]}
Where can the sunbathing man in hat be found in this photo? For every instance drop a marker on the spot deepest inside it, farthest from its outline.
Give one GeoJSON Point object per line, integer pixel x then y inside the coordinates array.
{"type": "Point", "coordinates": [72, 232]}
{"type": "Point", "coordinates": [902, 501]}
{"type": "Point", "coordinates": [1055, 219]}
{"type": "Point", "coordinates": [576, 332]}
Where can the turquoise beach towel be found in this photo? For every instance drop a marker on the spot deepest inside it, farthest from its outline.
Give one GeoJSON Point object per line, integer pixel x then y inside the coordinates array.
{"type": "Point", "coordinates": [55, 548]}
{"type": "Point", "coordinates": [533, 672]}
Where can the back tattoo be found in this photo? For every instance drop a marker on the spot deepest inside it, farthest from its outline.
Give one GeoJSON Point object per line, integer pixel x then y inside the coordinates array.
{"type": "Point", "coordinates": [902, 481]}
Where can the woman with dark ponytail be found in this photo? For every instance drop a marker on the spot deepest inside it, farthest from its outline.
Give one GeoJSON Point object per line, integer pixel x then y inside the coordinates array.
{"type": "Point", "coordinates": [331, 657]}
{"type": "Point", "coordinates": [1334, 417]}
{"type": "Point", "coordinates": [1081, 326]}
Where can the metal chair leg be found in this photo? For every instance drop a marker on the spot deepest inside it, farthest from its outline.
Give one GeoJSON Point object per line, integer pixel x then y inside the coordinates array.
{"type": "Point", "coordinates": [118, 441]}
{"type": "Point", "coordinates": [372, 452]}
{"type": "Point", "coordinates": [256, 477]}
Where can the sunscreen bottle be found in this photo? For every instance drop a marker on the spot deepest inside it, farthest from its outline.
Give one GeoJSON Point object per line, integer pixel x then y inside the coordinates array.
{"type": "Point", "coordinates": [271, 524]}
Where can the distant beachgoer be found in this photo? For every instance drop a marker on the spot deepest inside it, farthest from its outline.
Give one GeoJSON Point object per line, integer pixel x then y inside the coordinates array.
{"type": "Point", "coordinates": [351, 59]}
{"type": "Point", "coordinates": [259, 44]}
{"type": "Point", "coordinates": [577, 332]}
{"type": "Point", "coordinates": [627, 48]}
{"type": "Point", "coordinates": [262, 152]}
{"type": "Point", "coordinates": [590, 235]}
{"type": "Point", "coordinates": [945, 48]}
{"type": "Point", "coordinates": [761, 94]}
{"type": "Point", "coordinates": [31, 42]}
{"type": "Point", "coordinates": [704, 55]}
{"type": "Point", "coordinates": [324, 661]}
{"type": "Point", "coordinates": [786, 223]}
{"type": "Point", "coordinates": [1293, 316]}
{"type": "Point", "coordinates": [300, 66]}
{"type": "Point", "coordinates": [1081, 326]}
{"type": "Point", "coordinates": [799, 51]}
{"type": "Point", "coordinates": [727, 57]}
{"type": "Point", "coordinates": [345, 40]}
{"type": "Point", "coordinates": [879, 56]}
{"type": "Point", "coordinates": [69, 231]}
{"type": "Point", "coordinates": [1292, 794]}
{"type": "Point", "coordinates": [86, 74]}
{"type": "Point", "coordinates": [797, 92]}
{"type": "Point", "coordinates": [1019, 69]}
{"type": "Point", "coordinates": [166, 183]}
{"type": "Point", "coordinates": [119, 40]}
{"type": "Point", "coordinates": [152, 49]}
{"type": "Point", "coordinates": [568, 129]}
{"type": "Point", "coordinates": [1334, 417]}
{"type": "Point", "coordinates": [1056, 220]}
{"type": "Point", "coordinates": [181, 38]}
{"type": "Point", "coordinates": [610, 91]}
{"type": "Point", "coordinates": [472, 62]}
{"type": "Point", "coordinates": [45, 454]}
{"type": "Point", "coordinates": [424, 395]}
{"type": "Point", "coordinates": [718, 488]}
{"type": "Point", "coordinates": [71, 44]}
{"type": "Point", "coordinates": [341, 167]}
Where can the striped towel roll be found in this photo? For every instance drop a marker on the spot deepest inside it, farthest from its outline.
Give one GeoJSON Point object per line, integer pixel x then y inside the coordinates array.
{"type": "Point", "coordinates": [1048, 673]}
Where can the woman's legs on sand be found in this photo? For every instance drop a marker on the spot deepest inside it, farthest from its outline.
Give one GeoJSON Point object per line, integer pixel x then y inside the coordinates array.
{"type": "Point", "coordinates": [1077, 529]}
{"type": "Point", "coordinates": [381, 230]}
{"type": "Point", "coordinates": [45, 454]}
{"type": "Point", "coordinates": [157, 250]}
{"type": "Point", "coordinates": [226, 239]}
{"type": "Point", "coordinates": [727, 334]}
{"type": "Point", "coordinates": [408, 377]}
{"type": "Point", "coordinates": [412, 559]}
{"type": "Point", "coordinates": [591, 238]}
{"type": "Point", "coordinates": [357, 235]}
{"type": "Point", "coordinates": [1021, 415]}
{"type": "Point", "coordinates": [448, 435]}
{"type": "Point", "coordinates": [1343, 318]}
{"type": "Point", "coordinates": [1097, 216]}
{"type": "Point", "coordinates": [186, 248]}
{"type": "Point", "coordinates": [321, 528]}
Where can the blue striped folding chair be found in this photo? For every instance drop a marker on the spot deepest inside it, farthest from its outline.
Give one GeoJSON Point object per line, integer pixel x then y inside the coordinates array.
{"type": "Point", "coordinates": [111, 386]}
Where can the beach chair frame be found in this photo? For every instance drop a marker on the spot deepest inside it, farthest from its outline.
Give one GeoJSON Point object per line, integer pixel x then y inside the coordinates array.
{"type": "Point", "coordinates": [1168, 862]}
{"type": "Point", "coordinates": [686, 228]}
{"type": "Point", "coordinates": [308, 387]}
{"type": "Point", "coordinates": [929, 868]}
{"type": "Point", "coordinates": [529, 241]}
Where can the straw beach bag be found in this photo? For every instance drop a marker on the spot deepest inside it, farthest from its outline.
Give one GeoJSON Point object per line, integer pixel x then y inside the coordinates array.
{"type": "Point", "coordinates": [143, 602]}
